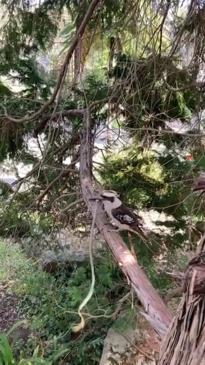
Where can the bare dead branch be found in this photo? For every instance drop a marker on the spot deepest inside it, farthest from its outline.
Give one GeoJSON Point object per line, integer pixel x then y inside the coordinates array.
{"type": "Point", "coordinates": [176, 275]}
{"type": "Point", "coordinates": [49, 186]}
{"type": "Point", "coordinates": [173, 293]}
{"type": "Point", "coordinates": [184, 343]}
{"type": "Point", "coordinates": [76, 202]}
{"type": "Point", "coordinates": [47, 117]}
{"type": "Point", "coordinates": [162, 25]}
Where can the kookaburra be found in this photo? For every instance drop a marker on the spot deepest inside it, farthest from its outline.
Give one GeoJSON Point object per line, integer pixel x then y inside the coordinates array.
{"type": "Point", "coordinates": [121, 216]}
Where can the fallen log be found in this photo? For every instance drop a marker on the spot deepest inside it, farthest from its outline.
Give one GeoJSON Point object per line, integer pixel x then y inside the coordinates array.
{"type": "Point", "coordinates": [155, 310]}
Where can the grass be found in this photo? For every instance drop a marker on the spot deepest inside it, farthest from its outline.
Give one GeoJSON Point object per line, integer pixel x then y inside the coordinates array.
{"type": "Point", "coordinates": [50, 303]}
{"type": "Point", "coordinates": [12, 261]}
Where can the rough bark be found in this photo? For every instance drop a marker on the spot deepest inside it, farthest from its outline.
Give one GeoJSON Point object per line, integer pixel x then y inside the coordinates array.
{"type": "Point", "coordinates": [155, 310]}
{"type": "Point", "coordinates": [78, 49]}
{"type": "Point", "coordinates": [115, 47]}
{"type": "Point", "coordinates": [185, 342]}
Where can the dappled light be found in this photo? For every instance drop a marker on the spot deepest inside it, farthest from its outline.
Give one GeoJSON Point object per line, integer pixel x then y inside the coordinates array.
{"type": "Point", "coordinates": [102, 181]}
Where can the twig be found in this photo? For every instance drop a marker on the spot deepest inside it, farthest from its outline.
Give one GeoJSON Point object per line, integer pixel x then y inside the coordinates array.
{"type": "Point", "coordinates": [48, 117]}
{"type": "Point", "coordinates": [49, 186]}
{"type": "Point", "coordinates": [173, 274]}
{"type": "Point", "coordinates": [81, 325]}
{"type": "Point", "coordinates": [71, 205]}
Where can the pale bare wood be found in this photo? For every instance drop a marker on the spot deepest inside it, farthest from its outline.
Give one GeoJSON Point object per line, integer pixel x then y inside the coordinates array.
{"type": "Point", "coordinates": [155, 310]}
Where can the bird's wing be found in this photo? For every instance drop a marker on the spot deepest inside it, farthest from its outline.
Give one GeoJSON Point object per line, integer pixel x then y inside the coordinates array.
{"type": "Point", "coordinates": [125, 216]}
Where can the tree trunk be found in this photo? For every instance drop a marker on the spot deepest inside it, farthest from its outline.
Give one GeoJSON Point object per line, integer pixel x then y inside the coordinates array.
{"type": "Point", "coordinates": [155, 311]}
{"type": "Point", "coordinates": [185, 342]}
{"type": "Point", "coordinates": [78, 49]}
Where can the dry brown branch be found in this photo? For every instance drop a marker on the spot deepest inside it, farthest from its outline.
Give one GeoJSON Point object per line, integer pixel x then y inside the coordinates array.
{"type": "Point", "coordinates": [180, 33]}
{"type": "Point", "coordinates": [173, 293]}
{"type": "Point", "coordinates": [176, 275]}
{"type": "Point", "coordinates": [22, 180]}
{"type": "Point", "coordinates": [156, 311]}
{"type": "Point", "coordinates": [48, 187]}
{"type": "Point", "coordinates": [184, 344]}
{"type": "Point", "coordinates": [64, 173]}
{"type": "Point", "coordinates": [162, 25]}
{"type": "Point", "coordinates": [47, 117]}
{"type": "Point", "coordinates": [76, 202]}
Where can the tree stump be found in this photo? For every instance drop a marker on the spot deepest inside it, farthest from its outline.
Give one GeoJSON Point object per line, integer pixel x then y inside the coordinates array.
{"type": "Point", "coordinates": [185, 341]}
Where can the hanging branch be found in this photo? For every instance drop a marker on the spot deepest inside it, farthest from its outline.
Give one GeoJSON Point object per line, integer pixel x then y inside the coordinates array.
{"type": "Point", "coordinates": [72, 113]}
{"type": "Point", "coordinates": [155, 311]}
{"type": "Point", "coordinates": [61, 77]}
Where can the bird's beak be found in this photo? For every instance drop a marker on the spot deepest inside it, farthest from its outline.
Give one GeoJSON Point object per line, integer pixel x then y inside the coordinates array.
{"type": "Point", "coordinates": [104, 194]}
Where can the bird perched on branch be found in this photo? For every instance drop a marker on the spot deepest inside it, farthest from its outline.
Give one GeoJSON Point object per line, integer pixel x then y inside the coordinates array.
{"type": "Point", "coordinates": [121, 216]}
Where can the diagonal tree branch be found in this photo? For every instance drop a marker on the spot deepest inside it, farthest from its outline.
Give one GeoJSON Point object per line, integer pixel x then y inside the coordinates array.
{"type": "Point", "coordinates": [155, 311]}
{"type": "Point", "coordinates": [50, 117]}
{"type": "Point", "coordinates": [64, 68]}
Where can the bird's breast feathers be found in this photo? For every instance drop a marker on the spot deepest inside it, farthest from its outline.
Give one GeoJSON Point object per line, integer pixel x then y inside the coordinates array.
{"type": "Point", "coordinates": [125, 216]}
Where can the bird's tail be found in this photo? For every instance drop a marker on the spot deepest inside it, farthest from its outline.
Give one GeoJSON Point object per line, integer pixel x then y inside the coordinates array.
{"type": "Point", "coordinates": [141, 232]}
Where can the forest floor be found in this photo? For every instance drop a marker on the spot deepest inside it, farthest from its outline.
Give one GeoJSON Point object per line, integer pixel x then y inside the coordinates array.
{"type": "Point", "coordinates": [8, 299]}
{"type": "Point", "coordinates": [21, 285]}
{"type": "Point", "coordinates": [8, 308]}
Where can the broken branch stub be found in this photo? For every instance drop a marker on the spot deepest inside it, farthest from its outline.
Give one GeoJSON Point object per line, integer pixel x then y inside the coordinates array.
{"type": "Point", "coordinates": [185, 342]}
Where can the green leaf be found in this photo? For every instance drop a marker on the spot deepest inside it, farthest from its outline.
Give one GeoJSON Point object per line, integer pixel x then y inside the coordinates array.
{"type": "Point", "coordinates": [126, 321]}
{"type": "Point", "coordinates": [6, 356]}
{"type": "Point", "coordinates": [200, 162]}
